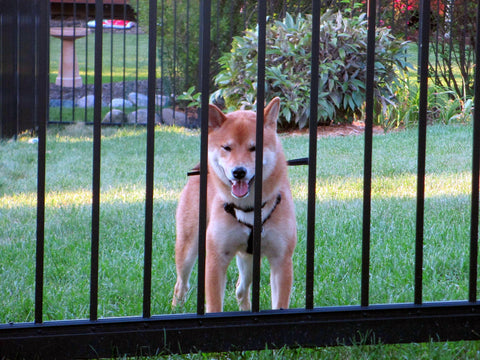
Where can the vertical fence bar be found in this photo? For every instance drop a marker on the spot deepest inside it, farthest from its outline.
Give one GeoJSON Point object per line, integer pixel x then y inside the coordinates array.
{"type": "Point", "coordinates": [85, 94]}
{"type": "Point", "coordinates": [152, 68]}
{"type": "Point", "coordinates": [74, 8]}
{"type": "Point", "coordinates": [230, 35]}
{"type": "Point", "coordinates": [162, 48]}
{"type": "Point", "coordinates": [450, 8]}
{"type": "Point", "coordinates": [217, 29]}
{"type": "Point", "coordinates": [174, 60]}
{"type": "Point", "coordinates": [62, 14]}
{"type": "Point", "coordinates": [205, 13]}
{"type": "Point", "coordinates": [367, 171]}
{"type": "Point", "coordinates": [472, 289]}
{"type": "Point", "coordinates": [257, 223]}
{"type": "Point", "coordinates": [42, 67]}
{"type": "Point", "coordinates": [124, 54]}
{"type": "Point", "coordinates": [97, 133]}
{"type": "Point", "coordinates": [245, 3]}
{"type": "Point", "coordinates": [187, 54]}
{"type": "Point", "coordinates": [312, 154]}
{"type": "Point", "coordinates": [422, 141]}
{"type": "Point", "coordinates": [111, 61]}
{"type": "Point", "coordinates": [136, 62]}
{"type": "Point", "coordinates": [437, 36]}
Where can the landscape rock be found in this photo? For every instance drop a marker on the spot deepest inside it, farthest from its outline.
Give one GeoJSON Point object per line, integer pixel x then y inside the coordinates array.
{"type": "Point", "coordinates": [138, 99]}
{"type": "Point", "coordinates": [86, 101]}
{"type": "Point", "coordinates": [140, 117]}
{"type": "Point", "coordinates": [170, 117]}
{"type": "Point", "coordinates": [115, 117]}
{"type": "Point", "coordinates": [120, 103]}
{"type": "Point", "coordinates": [61, 103]}
{"type": "Point", "coordinates": [141, 100]}
{"type": "Point", "coordinates": [161, 100]}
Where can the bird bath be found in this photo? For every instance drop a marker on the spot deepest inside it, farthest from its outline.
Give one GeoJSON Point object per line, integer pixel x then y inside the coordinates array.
{"type": "Point", "coordinates": [68, 75]}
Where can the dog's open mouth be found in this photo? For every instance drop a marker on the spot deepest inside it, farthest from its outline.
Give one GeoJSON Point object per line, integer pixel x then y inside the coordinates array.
{"type": "Point", "coordinates": [241, 188]}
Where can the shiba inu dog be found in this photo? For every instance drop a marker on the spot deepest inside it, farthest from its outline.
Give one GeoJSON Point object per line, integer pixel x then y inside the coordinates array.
{"type": "Point", "coordinates": [230, 211]}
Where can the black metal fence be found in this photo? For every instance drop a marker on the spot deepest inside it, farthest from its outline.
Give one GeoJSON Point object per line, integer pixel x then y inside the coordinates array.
{"type": "Point", "coordinates": [21, 36]}
{"type": "Point", "coordinates": [151, 334]}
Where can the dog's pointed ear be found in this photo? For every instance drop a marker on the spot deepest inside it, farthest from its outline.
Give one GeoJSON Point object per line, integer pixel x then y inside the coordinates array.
{"type": "Point", "coordinates": [215, 117]}
{"type": "Point", "coordinates": [271, 113]}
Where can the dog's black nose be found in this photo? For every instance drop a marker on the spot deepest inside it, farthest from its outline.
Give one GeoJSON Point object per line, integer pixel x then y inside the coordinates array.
{"type": "Point", "coordinates": [239, 172]}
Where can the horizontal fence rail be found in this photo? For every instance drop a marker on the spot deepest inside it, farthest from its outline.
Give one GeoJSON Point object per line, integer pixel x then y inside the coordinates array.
{"type": "Point", "coordinates": [311, 326]}
{"type": "Point", "coordinates": [242, 331]}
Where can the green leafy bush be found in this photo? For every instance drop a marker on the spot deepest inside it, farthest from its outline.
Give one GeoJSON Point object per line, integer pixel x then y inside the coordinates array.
{"type": "Point", "coordinates": [343, 52]}
{"type": "Point", "coordinates": [444, 106]}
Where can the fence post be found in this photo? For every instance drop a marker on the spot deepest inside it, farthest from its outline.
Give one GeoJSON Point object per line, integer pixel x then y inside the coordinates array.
{"type": "Point", "coordinates": [18, 32]}
{"type": "Point", "coordinates": [367, 172]}
{"type": "Point", "coordinates": [422, 140]}
{"type": "Point", "coordinates": [257, 222]}
{"type": "Point", "coordinates": [472, 296]}
{"type": "Point", "coordinates": [97, 133]}
{"type": "Point", "coordinates": [205, 13]}
{"type": "Point", "coordinates": [8, 68]}
{"type": "Point", "coordinates": [41, 115]}
{"type": "Point", "coordinates": [312, 156]}
{"type": "Point", "coordinates": [152, 63]}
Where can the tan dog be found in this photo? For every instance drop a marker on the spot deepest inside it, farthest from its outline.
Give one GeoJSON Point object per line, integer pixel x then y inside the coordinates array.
{"type": "Point", "coordinates": [231, 166]}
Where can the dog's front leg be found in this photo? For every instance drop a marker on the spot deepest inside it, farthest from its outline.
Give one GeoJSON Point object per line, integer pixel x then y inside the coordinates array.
{"type": "Point", "coordinates": [215, 275]}
{"type": "Point", "coordinates": [281, 279]}
{"type": "Point", "coordinates": [244, 264]}
{"type": "Point", "coordinates": [186, 250]}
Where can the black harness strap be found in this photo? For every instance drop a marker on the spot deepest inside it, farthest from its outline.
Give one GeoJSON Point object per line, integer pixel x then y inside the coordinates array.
{"type": "Point", "coordinates": [294, 162]}
{"type": "Point", "coordinates": [230, 209]}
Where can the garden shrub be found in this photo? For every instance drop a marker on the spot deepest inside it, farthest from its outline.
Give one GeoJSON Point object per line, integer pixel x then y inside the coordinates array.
{"type": "Point", "coordinates": [343, 52]}
{"type": "Point", "coordinates": [444, 106]}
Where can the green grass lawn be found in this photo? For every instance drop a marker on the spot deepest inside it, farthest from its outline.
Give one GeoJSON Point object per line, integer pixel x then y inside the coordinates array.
{"type": "Point", "coordinates": [338, 226]}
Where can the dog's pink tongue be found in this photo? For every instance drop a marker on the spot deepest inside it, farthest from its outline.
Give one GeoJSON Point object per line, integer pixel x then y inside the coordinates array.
{"type": "Point", "coordinates": [240, 188]}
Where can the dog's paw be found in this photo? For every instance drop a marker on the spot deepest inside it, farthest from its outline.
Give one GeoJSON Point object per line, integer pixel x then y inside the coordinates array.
{"type": "Point", "coordinates": [176, 302]}
{"type": "Point", "coordinates": [243, 298]}
{"type": "Point", "coordinates": [179, 295]}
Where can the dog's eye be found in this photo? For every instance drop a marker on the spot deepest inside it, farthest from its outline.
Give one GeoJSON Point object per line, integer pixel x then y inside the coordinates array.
{"type": "Point", "coordinates": [252, 148]}
{"type": "Point", "coordinates": [227, 148]}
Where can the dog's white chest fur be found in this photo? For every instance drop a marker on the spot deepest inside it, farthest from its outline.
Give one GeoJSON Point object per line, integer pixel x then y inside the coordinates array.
{"type": "Point", "coordinates": [247, 217]}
